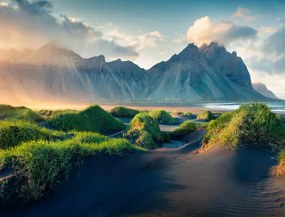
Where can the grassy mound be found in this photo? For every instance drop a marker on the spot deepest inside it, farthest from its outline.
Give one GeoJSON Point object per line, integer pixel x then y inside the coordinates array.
{"type": "Point", "coordinates": [250, 124]}
{"type": "Point", "coordinates": [94, 119]}
{"type": "Point", "coordinates": [145, 130]}
{"type": "Point", "coordinates": [45, 113]}
{"type": "Point", "coordinates": [40, 165]}
{"type": "Point", "coordinates": [162, 117]}
{"type": "Point", "coordinates": [19, 113]}
{"type": "Point", "coordinates": [13, 133]}
{"type": "Point", "coordinates": [123, 112]}
{"type": "Point", "coordinates": [185, 128]}
{"type": "Point", "coordinates": [205, 116]}
{"type": "Point", "coordinates": [188, 115]}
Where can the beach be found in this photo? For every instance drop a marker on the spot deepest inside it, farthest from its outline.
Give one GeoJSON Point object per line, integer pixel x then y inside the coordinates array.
{"type": "Point", "coordinates": [168, 182]}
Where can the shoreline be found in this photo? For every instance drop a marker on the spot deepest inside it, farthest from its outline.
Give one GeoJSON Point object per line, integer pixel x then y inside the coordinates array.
{"type": "Point", "coordinates": [194, 108]}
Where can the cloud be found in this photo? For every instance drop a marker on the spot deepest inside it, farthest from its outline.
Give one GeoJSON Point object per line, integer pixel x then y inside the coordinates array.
{"type": "Point", "coordinates": [245, 14]}
{"type": "Point", "coordinates": [271, 58]}
{"type": "Point", "coordinates": [262, 49]}
{"type": "Point", "coordinates": [139, 42]}
{"type": "Point", "coordinates": [204, 30]}
{"type": "Point", "coordinates": [30, 24]}
{"type": "Point", "coordinates": [275, 44]}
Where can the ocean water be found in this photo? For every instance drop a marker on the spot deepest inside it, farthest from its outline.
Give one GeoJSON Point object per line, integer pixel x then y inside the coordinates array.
{"type": "Point", "coordinates": [278, 107]}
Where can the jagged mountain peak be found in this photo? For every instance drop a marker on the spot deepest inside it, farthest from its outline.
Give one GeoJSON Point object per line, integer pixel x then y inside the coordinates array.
{"type": "Point", "coordinates": [98, 59]}
{"type": "Point", "coordinates": [195, 74]}
{"type": "Point", "coordinates": [190, 50]}
{"type": "Point", "coordinates": [215, 49]}
{"type": "Point", "coordinates": [53, 49]}
{"type": "Point", "coordinates": [51, 54]}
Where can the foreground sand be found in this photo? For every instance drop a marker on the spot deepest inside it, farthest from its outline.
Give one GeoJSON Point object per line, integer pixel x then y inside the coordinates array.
{"type": "Point", "coordinates": [169, 182]}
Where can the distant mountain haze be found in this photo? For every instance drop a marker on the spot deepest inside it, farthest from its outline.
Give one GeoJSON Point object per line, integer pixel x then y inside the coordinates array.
{"type": "Point", "coordinates": [262, 89]}
{"type": "Point", "coordinates": [54, 74]}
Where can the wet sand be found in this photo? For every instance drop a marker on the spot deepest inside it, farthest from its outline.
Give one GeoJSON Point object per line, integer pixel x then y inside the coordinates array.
{"type": "Point", "coordinates": [168, 182]}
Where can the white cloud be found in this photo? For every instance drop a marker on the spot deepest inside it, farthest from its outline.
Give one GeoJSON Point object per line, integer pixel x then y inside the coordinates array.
{"type": "Point", "coordinates": [139, 41]}
{"type": "Point", "coordinates": [262, 49]}
{"type": "Point", "coordinates": [30, 24]}
{"type": "Point", "coordinates": [204, 30]}
{"type": "Point", "coordinates": [245, 14]}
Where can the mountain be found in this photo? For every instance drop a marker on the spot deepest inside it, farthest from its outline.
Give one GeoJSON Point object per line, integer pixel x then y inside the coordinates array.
{"type": "Point", "coordinates": [208, 73]}
{"type": "Point", "coordinates": [263, 90]}
{"type": "Point", "coordinates": [59, 75]}
{"type": "Point", "coordinates": [54, 74]}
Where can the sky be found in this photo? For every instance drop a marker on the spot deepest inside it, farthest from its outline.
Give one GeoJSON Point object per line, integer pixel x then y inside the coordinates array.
{"type": "Point", "coordinates": [147, 32]}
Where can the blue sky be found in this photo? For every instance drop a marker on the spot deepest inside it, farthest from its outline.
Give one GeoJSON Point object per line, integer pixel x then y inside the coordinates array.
{"type": "Point", "coordinates": [150, 31]}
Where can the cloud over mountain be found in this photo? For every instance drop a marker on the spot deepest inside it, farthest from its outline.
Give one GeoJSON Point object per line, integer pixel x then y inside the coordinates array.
{"type": "Point", "coordinates": [30, 24]}
{"type": "Point", "coordinates": [204, 30]}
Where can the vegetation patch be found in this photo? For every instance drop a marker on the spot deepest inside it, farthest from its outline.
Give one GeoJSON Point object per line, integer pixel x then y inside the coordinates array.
{"type": "Point", "coordinates": [205, 116]}
{"type": "Point", "coordinates": [184, 129]}
{"type": "Point", "coordinates": [19, 113]}
{"type": "Point", "coordinates": [188, 114]}
{"type": "Point", "coordinates": [13, 133]}
{"type": "Point", "coordinates": [162, 117]}
{"type": "Point", "coordinates": [40, 165]}
{"type": "Point", "coordinates": [279, 170]}
{"type": "Point", "coordinates": [45, 113]}
{"type": "Point", "coordinates": [123, 112]}
{"type": "Point", "coordinates": [94, 119]}
{"type": "Point", "coordinates": [146, 132]}
{"type": "Point", "coordinates": [251, 124]}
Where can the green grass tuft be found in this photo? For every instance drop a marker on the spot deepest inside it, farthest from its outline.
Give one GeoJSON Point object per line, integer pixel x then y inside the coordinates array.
{"type": "Point", "coordinates": [94, 119]}
{"type": "Point", "coordinates": [145, 130]}
{"type": "Point", "coordinates": [184, 129]}
{"type": "Point", "coordinates": [281, 156]}
{"type": "Point", "coordinates": [45, 113]}
{"type": "Point", "coordinates": [162, 117]}
{"type": "Point", "coordinates": [206, 116]}
{"type": "Point", "coordinates": [13, 133]}
{"type": "Point", "coordinates": [40, 165]}
{"type": "Point", "coordinates": [19, 113]}
{"type": "Point", "coordinates": [123, 112]}
{"type": "Point", "coordinates": [251, 124]}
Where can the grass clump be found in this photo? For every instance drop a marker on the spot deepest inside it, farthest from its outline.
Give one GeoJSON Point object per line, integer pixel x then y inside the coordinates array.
{"type": "Point", "coordinates": [123, 112]}
{"type": "Point", "coordinates": [162, 117]}
{"type": "Point", "coordinates": [19, 113]}
{"type": "Point", "coordinates": [13, 133]}
{"type": "Point", "coordinates": [45, 113]}
{"type": "Point", "coordinates": [251, 124]}
{"type": "Point", "coordinates": [205, 116]}
{"type": "Point", "coordinates": [94, 119]}
{"type": "Point", "coordinates": [184, 129]}
{"type": "Point", "coordinates": [40, 165]}
{"type": "Point", "coordinates": [188, 115]}
{"type": "Point", "coordinates": [89, 137]}
{"type": "Point", "coordinates": [146, 132]}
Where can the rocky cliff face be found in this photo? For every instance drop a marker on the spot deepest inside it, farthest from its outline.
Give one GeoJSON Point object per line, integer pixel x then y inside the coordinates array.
{"type": "Point", "coordinates": [207, 73]}
{"type": "Point", "coordinates": [196, 74]}
{"type": "Point", "coordinates": [56, 74]}
{"type": "Point", "coordinates": [263, 90]}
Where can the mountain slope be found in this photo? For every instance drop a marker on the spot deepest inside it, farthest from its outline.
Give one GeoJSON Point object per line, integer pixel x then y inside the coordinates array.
{"type": "Point", "coordinates": [200, 75]}
{"type": "Point", "coordinates": [53, 74]}
{"type": "Point", "coordinates": [262, 89]}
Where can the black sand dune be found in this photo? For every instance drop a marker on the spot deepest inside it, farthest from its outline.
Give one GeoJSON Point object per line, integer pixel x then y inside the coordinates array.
{"type": "Point", "coordinates": [167, 182]}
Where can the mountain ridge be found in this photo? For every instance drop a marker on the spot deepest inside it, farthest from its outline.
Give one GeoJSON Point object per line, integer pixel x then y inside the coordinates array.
{"type": "Point", "coordinates": [52, 73]}
{"type": "Point", "coordinates": [262, 89]}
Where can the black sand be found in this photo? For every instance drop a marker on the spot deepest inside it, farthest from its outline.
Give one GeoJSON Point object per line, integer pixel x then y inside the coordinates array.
{"type": "Point", "coordinates": [165, 182]}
